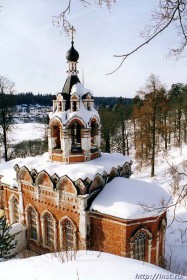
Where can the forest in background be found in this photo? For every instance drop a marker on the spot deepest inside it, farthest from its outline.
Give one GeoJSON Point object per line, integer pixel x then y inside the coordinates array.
{"type": "Point", "coordinates": [153, 120]}
{"type": "Point", "coordinates": [28, 98]}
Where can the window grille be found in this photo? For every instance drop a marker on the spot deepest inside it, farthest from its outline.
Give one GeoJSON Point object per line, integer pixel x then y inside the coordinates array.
{"type": "Point", "coordinates": [139, 246]}
{"type": "Point", "coordinates": [49, 231]}
{"type": "Point", "coordinates": [33, 224]}
{"type": "Point", "coordinates": [69, 235]}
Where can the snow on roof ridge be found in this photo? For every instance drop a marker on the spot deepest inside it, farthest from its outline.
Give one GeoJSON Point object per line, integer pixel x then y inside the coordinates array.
{"type": "Point", "coordinates": [80, 90]}
{"type": "Point", "coordinates": [16, 228]}
{"type": "Point", "coordinates": [83, 113]}
{"type": "Point", "coordinates": [123, 198]}
{"type": "Point", "coordinates": [84, 170]}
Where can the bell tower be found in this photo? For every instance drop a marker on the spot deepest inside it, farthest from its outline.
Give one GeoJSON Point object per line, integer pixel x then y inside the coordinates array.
{"type": "Point", "coordinates": [74, 126]}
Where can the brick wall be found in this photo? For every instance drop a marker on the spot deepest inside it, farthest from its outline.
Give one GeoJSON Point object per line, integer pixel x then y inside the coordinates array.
{"type": "Point", "coordinates": [113, 235]}
{"type": "Point", "coordinates": [65, 206]}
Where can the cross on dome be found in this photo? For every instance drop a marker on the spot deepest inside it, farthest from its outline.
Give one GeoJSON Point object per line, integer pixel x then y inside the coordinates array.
{"type": "Point", "coordinates": [72, 29]}
{"type": "Point", "coordinates": [72, 55]}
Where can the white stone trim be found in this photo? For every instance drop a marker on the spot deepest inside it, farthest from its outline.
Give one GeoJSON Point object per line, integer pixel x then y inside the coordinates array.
{"type": "Point", "coordinates": [123, 223]}
{"type": "Point", "coordinates": [11, 200]}
{"type": "Point", "coordinates": [163, 242]}
{"type": "Point", "coordinates": [149, 249]}
{"type": "Point", "coordinates": [21, 207]}
{"type": "Point", "coordinates": [157, 247]}
{"type": "Point", "coordinates": [131, 250]}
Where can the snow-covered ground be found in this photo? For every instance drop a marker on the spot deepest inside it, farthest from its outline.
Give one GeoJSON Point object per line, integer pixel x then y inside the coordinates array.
{"type": "Point", "coordinates": [26, 131]}
{"type": "Point", "coordinates": [95, 266]}
{"type": "Point", "coordinates": [86, 266]}
{"type": "Point", "coordinates": [176, 233]}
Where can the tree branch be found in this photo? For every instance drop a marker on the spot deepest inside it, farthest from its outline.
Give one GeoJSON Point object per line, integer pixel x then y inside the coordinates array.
{"type": "Point", "coordinates": [125, 56]}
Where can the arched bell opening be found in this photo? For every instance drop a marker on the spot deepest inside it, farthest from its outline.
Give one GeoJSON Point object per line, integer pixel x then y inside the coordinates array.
{"type": "Point", "coordinates": [56, 137]}
{"type": "Point", "coordinates": [93, 134]}
{"type": "Point", "coordinates": [74, 106]}
{"type": "Point", "coordinates": [76, 137]}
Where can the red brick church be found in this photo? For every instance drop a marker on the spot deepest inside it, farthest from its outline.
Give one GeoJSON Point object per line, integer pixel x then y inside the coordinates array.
{"type": "Point", "coordinates": [74, 197]}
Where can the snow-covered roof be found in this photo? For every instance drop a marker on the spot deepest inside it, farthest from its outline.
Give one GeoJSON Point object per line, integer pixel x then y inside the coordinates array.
{"type": "Point", "coordinates": [88, 265]}
{"type": "Point", "coordinates": [123, 198]}
{"type": "Point", "coordinates": [80, 90]}
{"type": "Point", "coordinates": [82, 113]}
{"type": "Point", "coordinates": [74, 171]}
{"type": "Point", "coordinates": [16, 228]}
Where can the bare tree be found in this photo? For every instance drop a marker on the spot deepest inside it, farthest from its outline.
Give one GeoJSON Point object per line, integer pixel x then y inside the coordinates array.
{"type": "Point", "coordinates": [167, 13]}
{"type": "Point", "coordinates": [147, 112]}
{"type": "Point", "coordinates": [6, 114]}
{"type": "Point", "coordinates": [62, 18]}
{"type": "Point", "coordinates": [108, 128]}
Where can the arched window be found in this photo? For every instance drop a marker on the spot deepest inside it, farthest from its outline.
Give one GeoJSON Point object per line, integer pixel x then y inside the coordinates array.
{"type": "Point", "coordinates": [139, 246]}
{"type": "Point", "coordinates": [32, 224]}
{"type": "Point", "coordinates": [94, 131]}
{"type": "Point", "coordinates": [69, 236]}
{"type": "Point", "coordinates": [49, 230]}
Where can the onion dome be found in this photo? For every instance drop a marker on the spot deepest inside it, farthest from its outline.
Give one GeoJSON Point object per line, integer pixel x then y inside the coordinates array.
{"type": "Point", "coordinates": [72, 54]}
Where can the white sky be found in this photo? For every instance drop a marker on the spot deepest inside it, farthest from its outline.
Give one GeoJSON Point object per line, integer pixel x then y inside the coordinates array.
{"type": "Point", "coordinates": [32, 51]}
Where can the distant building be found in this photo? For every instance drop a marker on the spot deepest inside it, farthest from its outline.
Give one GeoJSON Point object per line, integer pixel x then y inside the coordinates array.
{"type": "Point", "coordinates": [74, 197]}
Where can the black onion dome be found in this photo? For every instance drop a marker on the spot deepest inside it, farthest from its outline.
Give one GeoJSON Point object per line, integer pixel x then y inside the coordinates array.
{"type": "Point", "coordinates": [72, 54]}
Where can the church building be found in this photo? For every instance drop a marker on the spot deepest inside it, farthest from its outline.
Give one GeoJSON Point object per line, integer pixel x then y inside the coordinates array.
{"type": "Point", "coordinates": [77, 198]}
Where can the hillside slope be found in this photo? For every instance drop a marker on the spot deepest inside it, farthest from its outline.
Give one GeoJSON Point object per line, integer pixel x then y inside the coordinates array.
{"type": "Point", "coordinates": [176, 184]}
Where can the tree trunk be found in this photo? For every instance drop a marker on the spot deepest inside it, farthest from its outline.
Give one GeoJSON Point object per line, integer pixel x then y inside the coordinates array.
{"type": "Point", "coordinates": [123, 138]}
{"type": "Point", "coordinates": [3, 125]}
{"type": "Point", "coordinates": [165, 132]}
{"type": "Point", "coordinates": [5, 144]}
{"type": "Point", "coordinates": [134, 123]}
{"type": "Point", "coordinates": [107, 141]}
{"type": "Point", "coordinates": [153, 140]}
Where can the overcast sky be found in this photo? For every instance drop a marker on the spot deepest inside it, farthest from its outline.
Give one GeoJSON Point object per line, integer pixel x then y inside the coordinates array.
{"type": "Point", "coordinates": [32, 51]}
